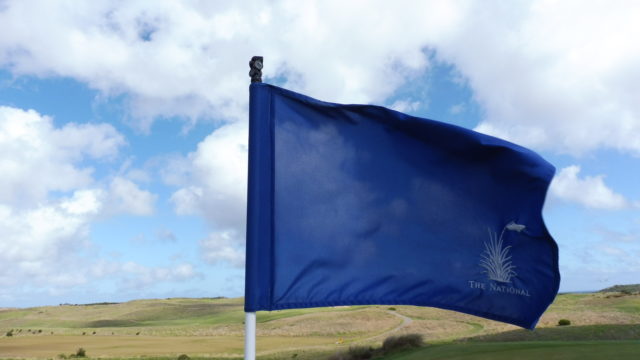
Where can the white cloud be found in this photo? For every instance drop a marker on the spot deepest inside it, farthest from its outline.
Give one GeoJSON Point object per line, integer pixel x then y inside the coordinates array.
{"type": "Point", "coordinates": [137, 276]}
{"type": "Point", "coordinates": [134, 276]}
{"type": "Point", "coordinates": [190, 59]}
{"type": "Point", "coordinates": [83, 202]}
{"type": "Point", "coordinates": [545, 76]}
{"type": "Point", "coordinates": [405, 106]}
{"type": "Point", "coordinates": [37, 158]}
{"type": "Point", "coordinates": [49, 198]}
{"type": "Point", "coordinates": [589, 191]}
{"type": "Point", "coordinates": [213, 182]}
{"type": "Point", "coordinates": [39, 244]}
{"type": "Point", "coordinates": [223, 247]}
{"type": "Point", "coordinates": [127, 198]}
{"type": "Point", "coordinates": [215, 178]}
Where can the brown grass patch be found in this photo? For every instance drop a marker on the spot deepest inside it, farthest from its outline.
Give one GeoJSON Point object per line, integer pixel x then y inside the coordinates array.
{"type": "Point", "coordinates": [352, 323]}
{"type": "Point", "coordinates": [131, 346]}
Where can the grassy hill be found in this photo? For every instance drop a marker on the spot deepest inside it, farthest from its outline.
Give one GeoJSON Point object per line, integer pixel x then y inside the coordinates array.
{"type": "Point", "coordinates": [214, 328]}
{"type": "Point", "coordinates": [629, 289]}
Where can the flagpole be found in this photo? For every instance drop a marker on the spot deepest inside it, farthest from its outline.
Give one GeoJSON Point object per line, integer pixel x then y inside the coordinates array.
{"type": "Point", "coordinates": [249, 336]}
{"type": "Point", "coordinates": [250, 317]}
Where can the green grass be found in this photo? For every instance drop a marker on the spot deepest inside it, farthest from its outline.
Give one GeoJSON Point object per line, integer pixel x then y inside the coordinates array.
{"type": "Point", "coordinates": [566, 333]}
{"type": "Point", "coordinates": [579, 350]}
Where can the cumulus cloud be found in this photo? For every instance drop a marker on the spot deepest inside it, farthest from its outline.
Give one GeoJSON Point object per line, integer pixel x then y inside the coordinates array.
{"type": "Point", "coordinates": [405, 106]}
{"type": "Point", "coordinates": [39, 243]}
{"type": "Point", "coordinates": [38, 158]}
{"type": "Point", "coordinates": [223, 247]}
{"type": "Point", "coordinates": [589, 191]}
{"type": "Point", "coordinates": [190, 59]}
{"type": "Point", "coordinates": [216, 178]}
{"type": "Point", "coordinates": [212, 183]}
{"type": "Point", "coordinates": [545, 76]}
{"type": "Point", "coordinates": [135, 276]}
{"type": "Point", "coordinates": [126, 197]}
{"type": "Point", "coordinates": [139, 276]}
{"type": "Point", "coordinates": [49, 197]}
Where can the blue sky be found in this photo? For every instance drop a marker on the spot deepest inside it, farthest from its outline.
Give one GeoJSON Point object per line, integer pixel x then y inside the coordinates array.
{"type": "Point", "coordinates": [123, 126]}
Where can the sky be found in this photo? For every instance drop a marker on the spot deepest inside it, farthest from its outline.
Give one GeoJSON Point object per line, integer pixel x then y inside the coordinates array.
{"type": "Point", "coordinates": [123, 125]}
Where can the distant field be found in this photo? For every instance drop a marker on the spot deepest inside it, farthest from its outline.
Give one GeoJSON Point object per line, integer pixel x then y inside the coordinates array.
{"type": "Point", "coordinates": [213, 328]}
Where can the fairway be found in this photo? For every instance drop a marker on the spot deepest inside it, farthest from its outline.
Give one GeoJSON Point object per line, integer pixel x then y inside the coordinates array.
{"type": "Point", "coordinates": [579, 350]}
{"type": "Point", "coordinates": [134, 346]}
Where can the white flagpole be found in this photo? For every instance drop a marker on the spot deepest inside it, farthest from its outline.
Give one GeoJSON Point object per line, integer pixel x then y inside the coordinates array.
{"type": "Point", "coordinates": [250, 336]}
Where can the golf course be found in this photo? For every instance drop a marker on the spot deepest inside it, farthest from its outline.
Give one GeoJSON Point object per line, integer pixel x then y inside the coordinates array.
{"type": "Point", "coordinates": [601, 325]}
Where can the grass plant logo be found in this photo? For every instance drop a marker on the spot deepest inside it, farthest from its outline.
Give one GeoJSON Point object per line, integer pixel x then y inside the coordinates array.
{"type": "Point", "coordinates": [496, 259]}
{"type": "Point", "coordinates": [497, 264]}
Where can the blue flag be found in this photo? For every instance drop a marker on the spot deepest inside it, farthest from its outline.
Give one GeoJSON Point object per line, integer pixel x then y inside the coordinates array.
{"type": "Point", "coordinates": [359, 204]}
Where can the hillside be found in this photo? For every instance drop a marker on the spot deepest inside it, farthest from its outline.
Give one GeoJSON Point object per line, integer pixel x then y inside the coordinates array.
{"type": "Point", "coordinates": [214, 327]}
{"type": "Point", "coordinates": [633, 288]}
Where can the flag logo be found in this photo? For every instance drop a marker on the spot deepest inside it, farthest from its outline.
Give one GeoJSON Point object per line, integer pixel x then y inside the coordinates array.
{"type": "Point", "coordinates": [498, 265]}
{"type": "Point", "coordinates": [496, 259]}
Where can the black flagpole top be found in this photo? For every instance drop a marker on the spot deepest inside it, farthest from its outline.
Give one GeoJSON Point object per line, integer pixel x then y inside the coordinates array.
{"type": "Point", "coordinates": [256, 69]}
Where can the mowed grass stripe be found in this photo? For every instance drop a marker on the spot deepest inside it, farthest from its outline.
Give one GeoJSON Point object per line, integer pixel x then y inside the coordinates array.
{"type": "Point", "coordinates": [131, 346]}
{"type": "Point", "coordinates": [582, 350]}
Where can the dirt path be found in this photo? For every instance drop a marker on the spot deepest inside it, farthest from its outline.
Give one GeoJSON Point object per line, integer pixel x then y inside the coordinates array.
{"type": "Point", "coordinates": [405, 322]}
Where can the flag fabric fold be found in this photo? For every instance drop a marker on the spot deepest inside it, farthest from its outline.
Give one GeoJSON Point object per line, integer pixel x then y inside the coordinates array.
{"type": "Point", "coordinates": [359, 205]}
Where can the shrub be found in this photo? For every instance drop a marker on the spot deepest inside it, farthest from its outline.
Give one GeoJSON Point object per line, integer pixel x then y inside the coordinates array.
{"type": "Point", "coordinates": [40, 331]}
{"type": "Point", "coordinates": [390, 344]}
{"type": "Point", "coordinates": [360, 353]}
{"type": "Point", "coordinates": [94, 333]}
{"type": "Point", "coordinates": [10, 333]}
{"type": "Point", "coordinates": [62, 356]}
{"type": "Point", "coordinates": [138, 333]}
{"type": "Point", "coordinates": [184, 357]}
{"type": "Point", "coordinates": [354, 353]}
{"type": "Point", "coordinates": [391, 309]}
{"type": "Point", "coordinates": [84, 333]}
{"type": "Point", "coordinates": [339, 356]}
{"type": "Point", "coordinates": [81, 352]}
{"type": "Point", "coordinates": [564, 322]}
{"type": "Point", "coordinates": [394, 343]}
